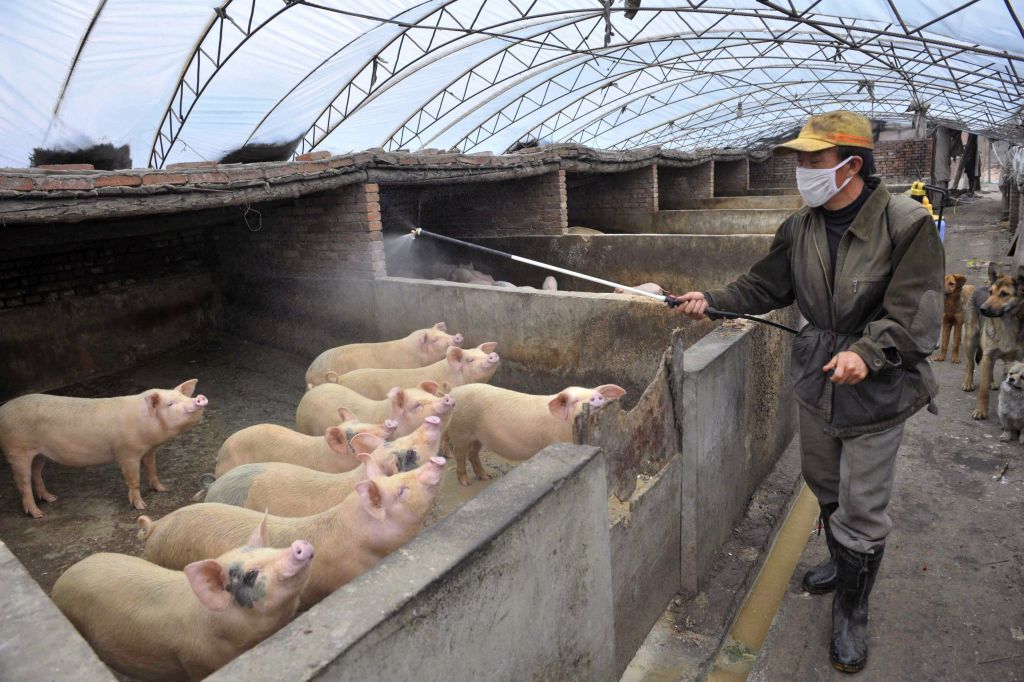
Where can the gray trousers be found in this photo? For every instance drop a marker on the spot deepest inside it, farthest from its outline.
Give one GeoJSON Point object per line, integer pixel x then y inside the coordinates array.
{"type": "Point", "coordinates": [857, 473]}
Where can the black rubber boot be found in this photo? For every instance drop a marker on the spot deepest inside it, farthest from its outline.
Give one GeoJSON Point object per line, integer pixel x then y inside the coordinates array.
{"type": "Point", "coordinates": [822, 578]}
{"type": "Point", "coordinates": [857, 571]}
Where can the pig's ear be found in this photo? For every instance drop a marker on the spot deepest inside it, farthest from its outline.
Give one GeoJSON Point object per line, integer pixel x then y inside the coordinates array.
{"type": "Point", "coordinates": [152, 402]}
{"type": "Point", "coordinates": [336, 440]}
{"type": "Point", "coordinates": [397, 397]}
{"type": "Point", "coordinates": [188, 388]}
{"type": "Point", "coordinates": [347, 415]}
{"type": "Point", "coordinates": [559, 406]}
{"type": "Point", "coordinates": [260, 537]}
{"type": "Point", "coordinates": [365, 442]}
{"type": "Point", "coordinates": [206, 578]}
{"type": "Point", "coordinates": [441, 327]}
{"type": "Point", "coordinates": [372, 469]}
{"type": "Point", "coordinates": [611, 391]}
{"type": "Point", "coordinates": [454, 356]}
{"type": "Point", "coordinates": [424, 341]}
{"type": "Point", "coordinates": [488, 347]}
{"type": "Point", "coordinates": [372, 499]}
{"type": "Point", "coordinates": [430, 387]}
{"type": "Point", "coordinates": [444, 389]}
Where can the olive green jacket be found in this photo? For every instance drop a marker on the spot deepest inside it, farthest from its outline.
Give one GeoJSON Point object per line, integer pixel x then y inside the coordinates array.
{"type": "Point", "coordinates": [885, 305]}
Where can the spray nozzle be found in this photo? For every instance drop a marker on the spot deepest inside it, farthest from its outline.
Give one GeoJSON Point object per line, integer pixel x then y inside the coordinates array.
{"type": "Point", "coordinates": [415, 232]}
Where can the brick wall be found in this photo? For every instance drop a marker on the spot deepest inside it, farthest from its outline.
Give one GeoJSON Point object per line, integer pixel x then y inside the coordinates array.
{"type": "Point", "coordinates": [731, 178]}
{"type": "Point", "coordinates": [331, 234]}
{"type": "Point", "coordinates": [776, 171]}
{"type": "Point", "coordinates": [532, 205]}
{"type": "Point", "coordinates": [612, 201]}
{"type": "Point", "coordinates": [676, 186]}
{"type": "Point", "coordinates": [36, 274]}
{"type": "Point", "coordinates": [904, 161]}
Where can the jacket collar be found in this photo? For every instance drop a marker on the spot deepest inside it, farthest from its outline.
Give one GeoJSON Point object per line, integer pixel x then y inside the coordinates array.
{"type": "Point", "coordinates": [871, 212]}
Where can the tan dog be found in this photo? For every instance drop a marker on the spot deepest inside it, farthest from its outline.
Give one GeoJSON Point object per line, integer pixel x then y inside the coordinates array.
{"type": "Point", "coordinates": [957, 300]}
{"type": "Point", "coordinates": [994, 326]}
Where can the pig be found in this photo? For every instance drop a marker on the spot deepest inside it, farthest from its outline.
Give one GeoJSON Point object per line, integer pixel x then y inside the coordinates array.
{"type": "Point", "coordinates": [151, 623]}
{"type": "Point", "coordinates": [550, 284]}
{"type": "Point", "coordinates": [331, 453]}
{"type": "Point", "coordinates": [379, 517]}
{"type": "Point", "coordinates": [515, 425]}
{"type": "Point", "coordinates": [459, 367]}
{"type": "Point", "coordinates": [649, 287]}
{"type": "Point", "coordinates": [587, 231]}
{"type": "Point", "coordinates": [80, 432]}
{"type": "Point", "coordinates": [421, 347]}
{"type": "Point", "coordinates": [288, 490]}
{"type": "Point", "coordinates": [318, 408]}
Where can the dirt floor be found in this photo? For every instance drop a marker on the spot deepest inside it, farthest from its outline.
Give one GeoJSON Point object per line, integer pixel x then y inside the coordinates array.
{"type": "Point", "coordinates": [949, 601]}
{"type": "Point", "coordinates": [245, 383]}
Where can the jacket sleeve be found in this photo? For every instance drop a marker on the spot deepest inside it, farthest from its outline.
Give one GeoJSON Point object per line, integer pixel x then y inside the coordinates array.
{"type": "Point", "coordinates": [768, 285]}
{"type": "Point", "coordinates": [912, 305]}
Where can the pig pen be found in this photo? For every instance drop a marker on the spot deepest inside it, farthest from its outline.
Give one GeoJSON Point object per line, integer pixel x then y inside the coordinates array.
{"type": "Point", "coordinates": [602, 537]}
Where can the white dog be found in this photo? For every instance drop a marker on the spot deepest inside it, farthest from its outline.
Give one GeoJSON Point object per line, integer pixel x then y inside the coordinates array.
{"type": "Point", "coordinates": [1011, 404]}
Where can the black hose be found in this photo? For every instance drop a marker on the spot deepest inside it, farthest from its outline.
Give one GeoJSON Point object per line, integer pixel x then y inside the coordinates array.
{"type": "Point", "coordinates": [716, 314]}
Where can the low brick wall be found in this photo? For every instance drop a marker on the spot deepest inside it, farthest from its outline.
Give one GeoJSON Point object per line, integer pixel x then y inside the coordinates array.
{"type": "Point", "coordinates": [612, 201]}
{"type": "Point", "coordinates": [678, 186]}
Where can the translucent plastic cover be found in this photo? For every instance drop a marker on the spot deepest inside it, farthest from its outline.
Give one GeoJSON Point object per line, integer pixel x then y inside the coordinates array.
{"type": "Point", "coordinates": [190, 80]}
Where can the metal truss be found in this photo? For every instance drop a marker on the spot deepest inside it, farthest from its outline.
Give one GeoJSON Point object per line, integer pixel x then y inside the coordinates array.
{"type": "Point", "coordinates": [621, 96]}
{"type": "Point", "coordinates": [609, 69]}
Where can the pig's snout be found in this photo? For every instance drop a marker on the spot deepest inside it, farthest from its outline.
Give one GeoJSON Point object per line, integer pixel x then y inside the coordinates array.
{"type": "Point", "coordinates": [491, 359]}
{"type": "Point", "coordinates": [434, 421]}
{"type": "Point", "coordinates": [457, 340]}
{"type": "Point", "coordinates": [198, 403]}
{"type": "Point", "coordinates": [438, 461]}
{"type": "Point", "coordinates": [300, 556]}
{"type": "Point", "coordinates": [390, 424]}
{"type": "Point", "coordinates": [597, 400]}
{"type": "Point", "coordinates": [447, 403]}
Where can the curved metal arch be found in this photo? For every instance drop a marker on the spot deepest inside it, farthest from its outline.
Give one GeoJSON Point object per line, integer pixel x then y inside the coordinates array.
{"type": "Point", "coordinates": [856, 26]}
{"type": "Point", "coordinates": [716, 119]}
{"type": "Point", "coordinates": [488, 127]}
{"type": "Point", "coordinates": [582, 136]}
{"type": "Point", "coordinates": [166, 132]}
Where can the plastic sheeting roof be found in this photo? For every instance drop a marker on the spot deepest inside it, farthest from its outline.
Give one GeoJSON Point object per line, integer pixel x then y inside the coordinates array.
{"type": "Point", "coordinates": [191, 80]}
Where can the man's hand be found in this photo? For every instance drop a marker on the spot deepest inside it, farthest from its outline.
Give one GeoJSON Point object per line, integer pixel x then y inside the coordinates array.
{"type": "Point", "coordinates": [849, 368]}
{"type": "Point", "coordinates": [692, 304]}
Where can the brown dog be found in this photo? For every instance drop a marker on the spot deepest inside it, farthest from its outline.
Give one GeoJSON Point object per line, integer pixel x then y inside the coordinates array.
{"type": "Point", "coordinates": [957, 299]}
{"type": "Point", "coordinates": [994, 326]}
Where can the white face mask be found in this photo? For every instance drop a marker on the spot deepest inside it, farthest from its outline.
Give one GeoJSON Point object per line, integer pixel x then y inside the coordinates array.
{"type": "Point", "coordinates": [818, 185]}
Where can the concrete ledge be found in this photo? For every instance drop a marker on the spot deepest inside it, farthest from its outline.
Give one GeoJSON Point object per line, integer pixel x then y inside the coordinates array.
{"type": "Point", "coordinates": [36, 641]}
{"type": "Point", "coordinates": [514, 585]}
{"type": "Point", "coordinates": [727, 221]}
{"type": "Point", "coordinates": [790, 202]}
{"type": "Point", "coordinates": [645, 559]}
{"type": "Point", "coordinates": [737, 416]}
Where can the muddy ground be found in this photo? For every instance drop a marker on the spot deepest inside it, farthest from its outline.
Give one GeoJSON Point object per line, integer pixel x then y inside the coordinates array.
{"type": "Point", "coordinates": [246, 384]}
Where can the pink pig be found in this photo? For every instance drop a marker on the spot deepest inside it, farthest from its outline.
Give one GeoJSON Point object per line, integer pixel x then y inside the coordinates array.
{"type": "Point", "coordinates": [381, 516]}
{"type": "Point", "coordinates": [421, 347]}
{"type": "Point", "coordinates": [516, 425]}
{"type": "Point", "coordinates": [331, 453]}
{"type": "Point", "coordinates": [80, 432]}
{"type": "Point", "coordinates": [151, 623]}
{"type": "Point", "coordinates": [318, 409]}
{"type": "Point", "coordinates": [458, 368]}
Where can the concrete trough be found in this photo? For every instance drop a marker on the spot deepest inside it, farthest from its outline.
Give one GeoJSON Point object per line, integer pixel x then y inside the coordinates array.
{"type": "Point", "coordinates": [725, 221]}
{"type": "Point", "coordinates": [677, 262]}
{"type": "Point", "coordinates": [789, 202]}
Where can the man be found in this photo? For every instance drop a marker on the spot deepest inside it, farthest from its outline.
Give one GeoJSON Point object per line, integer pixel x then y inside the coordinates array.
{"type": "Point", "coordinates": [866, 270]}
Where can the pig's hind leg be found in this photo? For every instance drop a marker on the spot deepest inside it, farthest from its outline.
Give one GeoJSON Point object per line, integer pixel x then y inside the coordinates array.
{"type": "Point", "coordinates": [37, 480]}
{"type": "Point", "coordinates": [21, 466]}
{"type": "Point", "coordinates": [149, 461]}
{"type": "Point", "coordinates": [474, 459]}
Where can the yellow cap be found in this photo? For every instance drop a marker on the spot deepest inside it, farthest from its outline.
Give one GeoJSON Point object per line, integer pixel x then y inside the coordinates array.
{"type": "Point", "coordinates": [834, 129]}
